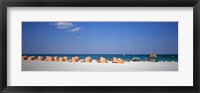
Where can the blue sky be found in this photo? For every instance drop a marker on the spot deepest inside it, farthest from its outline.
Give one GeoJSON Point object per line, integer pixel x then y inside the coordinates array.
{"type": "Point", "coordinates": [99, 37]}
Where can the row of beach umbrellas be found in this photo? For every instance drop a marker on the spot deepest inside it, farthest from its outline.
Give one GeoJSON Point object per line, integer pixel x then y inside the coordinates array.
{"type": "Point", "coordinates": [73, 59]}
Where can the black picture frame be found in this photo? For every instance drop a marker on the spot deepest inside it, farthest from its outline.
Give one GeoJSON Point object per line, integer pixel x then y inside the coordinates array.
{"type": "Point", "coordinates": [99, 3]}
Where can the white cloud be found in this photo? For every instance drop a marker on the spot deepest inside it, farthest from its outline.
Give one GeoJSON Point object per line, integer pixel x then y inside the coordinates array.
{"type": "Point", "coordinates": [66, 25]}
{"type": "Point", "coordinates": [75, 29]}
{"type": "Point", "coordinates": [63, 25]}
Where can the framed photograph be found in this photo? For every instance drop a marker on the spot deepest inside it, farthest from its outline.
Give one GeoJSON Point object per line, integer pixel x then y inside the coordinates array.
{"type": "Point", "coordinates": [103, 46]}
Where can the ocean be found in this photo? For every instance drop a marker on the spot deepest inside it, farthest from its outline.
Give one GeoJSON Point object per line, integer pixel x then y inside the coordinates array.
{"type": "Point", "coordinates": [161, 57]}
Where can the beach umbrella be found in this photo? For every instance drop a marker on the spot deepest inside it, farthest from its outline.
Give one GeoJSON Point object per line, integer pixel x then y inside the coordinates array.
{"type": "Point", "coordinates": [60, 59]}
{"type": "Point", "coordinates": [153, 55]}
{"type": "Point", "coordinates": [55, 58]}
{"type": "Point", "coordinates": [74, 59]}
{"type": "Point", "coordinates": [103, 60]}
{"type": "Point", "coordinates": [77, 57]}
{"type": "Point", "coordinates": [50, 59]}
{"type": "Point", "coordinates": [65, 58]}
{"type": "Point", "coordinates": [31, 58]}
{"type": "Point", "coordinates": [24, 57]}
{"type": "Point", "coordinates": [40, 58]}
{"type": "Point", "coordinates": [115, 60]}
{"type": "Point", "coordinates": [88, 59]}
{"type": "Point", "coordinates": [120, 61]}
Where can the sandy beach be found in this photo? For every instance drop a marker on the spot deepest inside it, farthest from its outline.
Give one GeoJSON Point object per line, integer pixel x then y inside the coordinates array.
{"type": "Point", "coordinates": [28, 65]}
